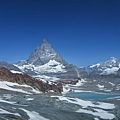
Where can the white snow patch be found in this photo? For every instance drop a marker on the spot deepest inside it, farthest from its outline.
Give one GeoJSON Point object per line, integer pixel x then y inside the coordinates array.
{"type": "Point", "coordinates": [82, 91]}
{"type": "Point", "coordinates": [96, 119]}
{"type": "Point", "coordinates": [86, 103]}
{"type": "Point", "coordinates": [51, 91]}
{"type": "Point", "coordinates": [100, 86]}
{"type": "Point", "coordinates": [8, 86]}
{"type": "Point", "coordinates": [13, 71]}
{"type": "Point", "coordinates": [98, 112]}
{"type": "Point", "coordinates": [107, 90]}
{"type": "Point", "coordinates": [2, 111]}
{"type": "Point", "coordinates": [69, 87]}
{"type": "Point", "coordinates": [7, 96]}
{"type": "Point", "coordinates": [110, 70]}
{"type": "Point", "coordinates": [79, 83]}
{"type": "Point", "coordinates": [65, 90]}
{"type": "Point", "coordinates": [111, 83]}
{"type": "Point", "coordinates": [96, 65]}
{"type": "Point", "coordinates": [52, 66]}
{"type": "Point", "coordinates": [30, 99]}
{"type": "Point", "coordinates": [45, 78]}
{"type": "Point", "coordinates": [9, 102]}
{"type": "Point", "coordinates": [33, 115]}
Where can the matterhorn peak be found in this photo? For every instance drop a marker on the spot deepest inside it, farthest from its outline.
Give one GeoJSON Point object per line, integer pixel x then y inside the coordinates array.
{"type": "Point", "coordinates": [45, 41]}
{"type": "Point", "coordinates": [45, 45]}
{"type": "Point", "coordinates": [43, 54]}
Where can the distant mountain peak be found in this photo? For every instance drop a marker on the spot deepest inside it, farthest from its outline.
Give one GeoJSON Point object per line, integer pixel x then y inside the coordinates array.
{"type": "Point", "coordinates": [46, 46]}
{"type": "Point", "coordinates": [45, 43]}
{"type": "Point", "coordinates": [110, 66]}
{"type": "Point", "coordinates": [43, 54]}
{"type": "Point", "coordinates": [44, 60]}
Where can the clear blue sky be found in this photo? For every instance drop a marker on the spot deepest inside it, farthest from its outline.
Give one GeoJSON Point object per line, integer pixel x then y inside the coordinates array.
{"type": "Point", "coordinates": [84, 32]}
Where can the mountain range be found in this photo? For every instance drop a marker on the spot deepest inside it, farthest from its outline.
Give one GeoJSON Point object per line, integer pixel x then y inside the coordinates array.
{"type": "Point", "coordinates": [45, 61]}
{"type": "Point", "coordinates": [22, 96]}
{"type": "Point", "coordinates": [111, 66]}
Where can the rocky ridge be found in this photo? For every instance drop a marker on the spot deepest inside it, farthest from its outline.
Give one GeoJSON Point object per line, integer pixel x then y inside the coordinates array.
{"type": "Point", "coordinates": [110, 66]}
{"type": "Point", "coordinates": [24, 79]}
{"type": "Point", "coordinates": [43, 54]}
{"type": "Point", "coordinates": [44, 60]}
{"type": "Point", "coordinates": [54, 108]}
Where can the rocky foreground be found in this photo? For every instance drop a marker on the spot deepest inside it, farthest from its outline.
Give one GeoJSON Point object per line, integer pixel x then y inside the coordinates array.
{"type": "Point", "coordinates": [25, 98]}
{"type": "Point", "coordinates": [14, 106]}
{"type": "Point", "coordinates": [21, 106]}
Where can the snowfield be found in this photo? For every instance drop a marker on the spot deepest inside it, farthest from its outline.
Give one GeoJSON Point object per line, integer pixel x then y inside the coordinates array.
{"type": "Point", "coordinates": [96, 109]}
{"type": "Point", "coordinates": [112, 70]}
{"type": "Point", "coordinates": [51, 67]}
{"type": "Point", "coordinates": [10, 86]}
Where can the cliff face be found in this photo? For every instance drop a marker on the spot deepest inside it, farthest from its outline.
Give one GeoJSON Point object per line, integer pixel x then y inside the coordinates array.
{"type": "Point", "coordinates": [43, 54]}
{"type": "Point", "coordinates": [6, 75]}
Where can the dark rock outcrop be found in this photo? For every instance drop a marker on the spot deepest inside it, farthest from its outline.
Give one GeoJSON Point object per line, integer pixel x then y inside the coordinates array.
{"type": "Point", "coordinates": [6, 75]}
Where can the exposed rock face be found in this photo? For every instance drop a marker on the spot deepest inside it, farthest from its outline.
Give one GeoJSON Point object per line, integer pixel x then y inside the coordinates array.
{"type": "Point", "coordinates": [43, 54]}
{"type": "Point", "coordinates": [6, 75]}
{"type": "Point", "coordinates": [44, 60]}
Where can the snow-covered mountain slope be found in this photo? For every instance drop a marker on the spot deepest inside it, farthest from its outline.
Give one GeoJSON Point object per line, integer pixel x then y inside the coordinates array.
{"type": "Point", "coordinates": [42, 55]}
{"type": "Point", "coordinates": [45, 60]}
{"type": "Point", "coordinates": [12, 81]}
{"type": "Point", "coordinates": [11, 86]}
{"type": "Point", "coordinates": [9, 66]}
{"type": "Point", "coordinates": [51, 67]}
{"type": "Point", "coordinates": [110, 66]}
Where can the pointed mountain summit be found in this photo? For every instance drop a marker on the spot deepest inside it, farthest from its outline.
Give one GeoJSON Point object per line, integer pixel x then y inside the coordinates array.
{"type": "Point", "coordinates": [44, 60]}
{"type": "Point", "coordinates": [43, 54]}
{"type": "Point", "coordinates": [45, 41]}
